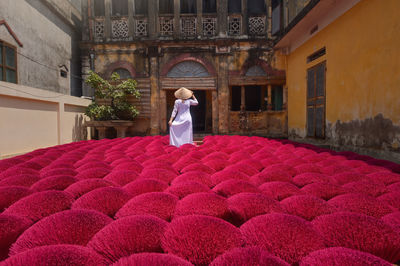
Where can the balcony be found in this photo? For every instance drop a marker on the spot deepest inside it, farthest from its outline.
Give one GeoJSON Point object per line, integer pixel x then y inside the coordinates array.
{"type": "Point", "coordinates": [257, 25]}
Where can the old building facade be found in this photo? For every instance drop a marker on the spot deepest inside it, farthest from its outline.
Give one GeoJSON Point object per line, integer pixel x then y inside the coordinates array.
{"type": "Point", "coordinates": [220, 49]}
{"type": "Point", "coordinates": [342, 69]}
{"type": "Point", "coordinates": [39, 44]}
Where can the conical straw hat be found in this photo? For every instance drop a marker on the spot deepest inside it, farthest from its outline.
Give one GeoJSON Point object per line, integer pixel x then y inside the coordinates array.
{"type": "Point", "coordinates": [183, 93]}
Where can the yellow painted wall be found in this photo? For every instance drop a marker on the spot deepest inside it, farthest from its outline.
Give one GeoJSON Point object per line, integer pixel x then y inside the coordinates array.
{"type": "Point", "coordinates": [32, 118]}
{"type": "Point", "coordinates": [363, 64]}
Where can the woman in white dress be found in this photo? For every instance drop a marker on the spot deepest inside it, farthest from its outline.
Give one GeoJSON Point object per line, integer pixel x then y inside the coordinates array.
{"type": "Point", "coordinates": [180, 124]}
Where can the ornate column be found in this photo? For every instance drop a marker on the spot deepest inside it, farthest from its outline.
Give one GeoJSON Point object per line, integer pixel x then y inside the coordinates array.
{"type": "Point", "coordinates": [223, 93]}
{"type": "Point", "coordinates": [152, 18]}
{"type": "Point", "coordinates": [245, 19]}
{"type": "Point", "coordinates": [131, 22]}
{"type": "Point", "coordinates": [154, 96]}
{"type": "Point", "coordinates": [199, 24]}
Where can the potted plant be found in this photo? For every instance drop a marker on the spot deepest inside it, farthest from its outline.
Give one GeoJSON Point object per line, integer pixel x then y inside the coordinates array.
{"type": "Point", "coordinates": [113, 96]}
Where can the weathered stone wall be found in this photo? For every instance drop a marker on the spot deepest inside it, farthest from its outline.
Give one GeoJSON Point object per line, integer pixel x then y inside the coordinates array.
{"type": "Point", "coordinates": [50, 36]}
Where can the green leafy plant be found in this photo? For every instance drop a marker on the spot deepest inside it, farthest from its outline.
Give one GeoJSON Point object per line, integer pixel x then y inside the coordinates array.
{"type": "Point", "coordinates": [115, 95]}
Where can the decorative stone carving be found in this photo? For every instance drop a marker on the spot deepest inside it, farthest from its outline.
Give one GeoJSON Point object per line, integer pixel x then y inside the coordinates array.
{"type": "Point", "coordinates": [235, 25]}
{"type": "Point", "coordinates": [141, 27]}
{"type": "Point", "coordinates": [188, 69]}
{"type": "Point", "coordinates": [166, 26]}
{"type": "Point", "coordinates": [99, 29]}
{"type": "Point", "coordinates": [209, 26]}
{"type": "Point", "coordinates": [119, 28]}
{"type": "Point", "coordinates": [188, 26]}
{"type": "Point", "coordinates": [257, 25]}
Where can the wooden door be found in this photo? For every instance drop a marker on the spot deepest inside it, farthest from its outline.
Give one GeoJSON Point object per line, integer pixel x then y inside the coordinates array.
{"type": "Point", "coordinates": [316, 101]}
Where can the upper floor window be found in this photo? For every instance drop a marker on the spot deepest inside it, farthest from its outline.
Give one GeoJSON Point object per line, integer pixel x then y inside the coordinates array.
{"type": "Point", "coordinates": [234, 6]}
{"type": "Point", "coordinates": [8, 62]}
{"type": "Point", "coordinates": [119, 7]}
{"type": "Point", "coordinates": [209, 6]}
{"type": "Point", "coordinates": [256, 7]}
{"type": "Point", "coordinates": [166, 6]}
{"type": "Point", "coordinates": [99, 8]}
{"type": "Point", "coordinates": [188, 7]}
{"type": "Point", "coordinates": [141, 7]}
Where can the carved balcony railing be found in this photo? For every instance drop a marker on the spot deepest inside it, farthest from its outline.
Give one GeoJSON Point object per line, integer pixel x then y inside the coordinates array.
{"type": "Point", "coordinates": [119, 28]}
{"type": "Point", "coordinates": [141, 26]}
{"type": "Point", "coordinates": [209, 24]}
{"type": "Point", "coordinates": [166, 25]}
{"type": "Point", "coordinates": [98, 28]}
{"type": "Point", "coordinates": [257, 25]}
{"type": "Point", "coordinates": [234, 24]}
{"type": "Point", "coordinates": [188, 26]}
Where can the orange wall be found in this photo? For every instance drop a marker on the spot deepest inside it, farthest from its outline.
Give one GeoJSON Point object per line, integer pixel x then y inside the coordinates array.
{"type": "Point", "coordinates": [363, 66]}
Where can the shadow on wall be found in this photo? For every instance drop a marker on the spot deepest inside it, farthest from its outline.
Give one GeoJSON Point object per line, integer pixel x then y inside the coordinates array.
{"type": "Point", "coordinates": [79, 132]}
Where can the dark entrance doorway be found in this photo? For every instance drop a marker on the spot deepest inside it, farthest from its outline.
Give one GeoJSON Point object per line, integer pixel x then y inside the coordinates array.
{"type": "Point", "coordinates": [201, 114]}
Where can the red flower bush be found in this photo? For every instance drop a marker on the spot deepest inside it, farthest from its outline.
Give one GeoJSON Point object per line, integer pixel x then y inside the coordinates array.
{"type": "Point", "coordinates": [93, 164]}
{"type": "Point", "coordinates": [279, 190]}
{"type": "Point", "coordinates": [157, 173]}
{"type": "Point", "coordinates": [159, 204]}
{"type": "Point", "coordinates": [41, 204]}
{"type": "Point", "coordinates": [15, 170]}
{"type": "Point", "coordinates": [286, 236]}
{"type": "Point", "coordinates": [347, 177]}
{"type": "Point", "coordinates": [239, 156]}
{"type": "Point", "coordinates": [181, 190]}
{"type": "Point", "coordinates": [107, 200]}
{"type": "Point", "coordinates": [121, 177]}
{"type": "Point", "coordinates": [360, 232]}
{"type": "Point", "coordinates": [306, 206]}
{"type": "Point", "coordinates": [392, 199]}
{"type": "Point", "coordinates": [245, 206]}
{"type": "Point", "coordinates": [9, 195]}
{"type": "Point", "coordinates": [200, 239]}
{"type": "Point", "coordinates": [303, 179]}
{"type": "Point", "coordinates": [203, 203]}
{"type": "Point", "coordinates": [324, 191]}
{"type": "Point", "coordinates": [395, 187]}
{"type": "Point", "coordinates": [385, 177]}
{"type": "Point", "coordinates": [130, 166]}
{"type": "Point", "coordinates": [183, 162]}
{"type": "Point", "coordinates": [198, 167]}
{"type": "Point", "coordinates": [393, 219]}
{"type": "Point", "coordinates": [271, 175]}
{"type": "Point", "coordinates": [19, 180]}
{"type": "Point", "coordinates": [154, 259]}
{"type": "Point", "coordinates": [61, 255]}
{"type": "Point", "coordinates": [244, 168]}
{"type": "Point", "coordinates": [58, 182]}
{"type": "Point", "coordinates": [249, 256]}
{"type": "Point", "coordinates": [93, 173]}
{"type": "Point", "coordinates": [141, 186]}
{"type": "Point", "coordinates": [196, 176]}
{"type": "Point", "coordinates": [217, 164]}
{"type": "Point", "coordinates": [307, 168]}
{"type": "Point", "coordinates": [75, 227]}
{"type": "Point", "coordinates": [84, 186]}
{"type": "Point", "coordinates": [10, 228]}
{"type": "Point", "coordinates": [234, 186]}
{"type": "Point", "coordinates": [227, 174]}
{"type": "Point", "coordinates": [216, 156]}
{"type": "Point", "coordinates": [360, 203]}
{"type": "Point", "coordinates": [129, 235]}
{"type": "Point", "coordinates": [366, 186]}
{"type": "Point", "coordinates": [339, 256]}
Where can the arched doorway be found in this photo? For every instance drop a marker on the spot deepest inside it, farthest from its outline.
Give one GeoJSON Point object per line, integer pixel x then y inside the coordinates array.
{"type": "Point", "coordinates": [192, 75]}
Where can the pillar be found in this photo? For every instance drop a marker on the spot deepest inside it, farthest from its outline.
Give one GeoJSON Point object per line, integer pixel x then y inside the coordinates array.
{"type": "Point", "coordinates": [177, 18]}
{"type": "Point", "coordinates": [102, 132]}
{"type": "Point", "coordinates": [131, 22]}
{"type": "Point", "coordinates": [222, 19]}
{"type": "Point", "coordinates": [244, 17]}
{"type": "Point", "coordinates": [163, 111]}
{"type": "Point", "coordinates": [223, 94]}
{"type": "Point", "coordinates": [215, 112]}
{"type": "Point", "coordinates": [269, 18]}
{"type": "Point", "coordinates": [269, 97]}
{"type": "Point", "coordinates": [154, 97]}
{"type": "Point", "coordinates": [242, 98]}
{"type": "Point", "coordinates": [85, 20]}
{"type": "Point", "coordinates": [199, 24]}
{"type": "Point", "coordinates": [152, 17]}
{"type": "Point", "coordinates": [107, 22]}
